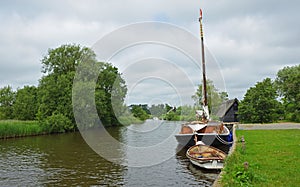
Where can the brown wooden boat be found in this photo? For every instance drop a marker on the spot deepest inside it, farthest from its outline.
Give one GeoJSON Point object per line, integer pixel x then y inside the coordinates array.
{"type": "Point", "coordinates": [205, 156]}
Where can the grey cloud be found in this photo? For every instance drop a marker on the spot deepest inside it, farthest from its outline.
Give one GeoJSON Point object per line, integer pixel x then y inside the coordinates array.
{"type": "Point", "coordinates": [248, 40]}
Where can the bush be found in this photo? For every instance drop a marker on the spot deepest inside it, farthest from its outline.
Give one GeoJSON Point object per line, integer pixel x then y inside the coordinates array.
{"type": "Point", "coordinates": [57, 123]}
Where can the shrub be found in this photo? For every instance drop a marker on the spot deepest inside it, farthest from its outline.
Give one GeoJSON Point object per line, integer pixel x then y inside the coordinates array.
{"type": "Point", "coordinates": [57, 123]}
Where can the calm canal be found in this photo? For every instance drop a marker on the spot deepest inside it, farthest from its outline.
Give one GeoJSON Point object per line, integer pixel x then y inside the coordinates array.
{"type": "Point", "coordinates": [66, 159]}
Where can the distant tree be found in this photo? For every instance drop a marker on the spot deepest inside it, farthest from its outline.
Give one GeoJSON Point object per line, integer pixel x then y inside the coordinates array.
{"type": "Point", "coordinates": [188, 113]}
{"type": "Point", "coordinates": [25, 106]}
{"type": "Point", "coordinates": [173, 113]}
{"type": "Point", "coordinates": [288, 84]}
{"type": "Point", "coordinates": [260, 103]}
{"type": "Point", "coordinates": [157, 110]}
{"type": "Point", "coordinates": [215, 98]}
{"type": "Point", "coordinates": [139, 112]}
{"type": "Point", "coordinates": [7, 99]}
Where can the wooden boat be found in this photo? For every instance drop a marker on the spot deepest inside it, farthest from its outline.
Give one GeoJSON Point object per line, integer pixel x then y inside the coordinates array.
{"type": "Point", "coordinates": [206, 131]}
{"type": "Point", "coordinates": [214, 134]}
{"type": "Point", "coordinates": [206, 156]}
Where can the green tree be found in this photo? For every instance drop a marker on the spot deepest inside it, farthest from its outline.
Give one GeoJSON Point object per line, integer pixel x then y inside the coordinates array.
{"type": "Point", "coordinates": [57, 123]}
{"type": "Point", "coordinates": [188, 113]}
{"type": "Point", "coordinates": [56, 86]}
{"type": "Point", "coordinates": [25, 106]}
{"type": "Point", "coordinates": [7, 99]}
{"type": "Point", "coordinates": [259, 104]}
{"type": "Point", "coordinates": [109, 94]}
{"type": "Point", "coordinates": [139, 112]}
{"type": "Point", "coordinates": [214, 96]}
{"type": "Point", "coordinates": [173, 113]}
{"type": "Point", "coordinates": [288, 84]}
{"type": "Point", "coordinates": [157, 110]}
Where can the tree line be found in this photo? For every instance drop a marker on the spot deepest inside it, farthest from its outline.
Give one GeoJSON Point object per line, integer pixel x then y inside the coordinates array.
{"type": "Point", "coordinates": [266, 102]}
{"type": "Point", "coordinates": [185, 112]}
{"type": "Point", "coordinates": [273, 100]}
{"type": "Point", "coordinates": [163, 112]}
{"type": "Point", "coordinates": [51, 101]}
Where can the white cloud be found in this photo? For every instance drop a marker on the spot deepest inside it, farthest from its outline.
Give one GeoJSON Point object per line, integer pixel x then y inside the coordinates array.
{"type": "Point", "coordinates": [248, 40]}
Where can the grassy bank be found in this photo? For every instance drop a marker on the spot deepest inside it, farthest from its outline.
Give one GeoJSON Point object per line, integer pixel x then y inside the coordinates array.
{"type": "Point", "coordinates": [14, 128]}
{"type": "Point", "coordinates": [272, 157]}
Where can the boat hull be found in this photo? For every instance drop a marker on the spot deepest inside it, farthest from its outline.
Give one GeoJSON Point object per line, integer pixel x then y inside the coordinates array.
{"type": "Point", "coordinates": [207, 139]}
{"type": "Point", "coordinates": [208, 165]}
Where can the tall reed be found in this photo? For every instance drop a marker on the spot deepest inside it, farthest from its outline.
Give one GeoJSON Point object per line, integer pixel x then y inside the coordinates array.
{"type": "Point", "coordinates": [15, 128]}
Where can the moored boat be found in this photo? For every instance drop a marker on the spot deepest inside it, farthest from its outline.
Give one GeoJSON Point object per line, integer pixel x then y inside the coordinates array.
{"type": "Point", "coordinates": [206, 156]}
{"type": "Point", "coordinates": [208, 132]}
{"type": "Point", "coordinates": [211, 133]}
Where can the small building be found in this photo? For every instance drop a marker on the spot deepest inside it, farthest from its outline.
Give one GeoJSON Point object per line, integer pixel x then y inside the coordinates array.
{"type": "Point", "coordinates": [228, 111]}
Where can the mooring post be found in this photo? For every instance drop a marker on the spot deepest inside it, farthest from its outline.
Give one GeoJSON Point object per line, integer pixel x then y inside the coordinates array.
{"type": "Point", "coordinates": [243, 144]}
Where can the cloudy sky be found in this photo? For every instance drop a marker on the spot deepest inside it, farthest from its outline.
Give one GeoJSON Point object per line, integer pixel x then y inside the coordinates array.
{"type": "Point", "coordinates": [246, 41]}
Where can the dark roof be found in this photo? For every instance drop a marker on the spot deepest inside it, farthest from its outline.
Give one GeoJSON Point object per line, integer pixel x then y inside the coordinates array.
{"type": "Point", "coordinates": [225, 107]}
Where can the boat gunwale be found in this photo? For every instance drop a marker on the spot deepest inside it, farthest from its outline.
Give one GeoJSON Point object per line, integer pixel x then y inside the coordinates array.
{"type": "Point", "coordinates": [206, 133]}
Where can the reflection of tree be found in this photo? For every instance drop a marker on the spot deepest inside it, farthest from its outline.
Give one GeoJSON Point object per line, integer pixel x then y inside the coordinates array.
{"type": "Point", "coordinates": [68, 161]}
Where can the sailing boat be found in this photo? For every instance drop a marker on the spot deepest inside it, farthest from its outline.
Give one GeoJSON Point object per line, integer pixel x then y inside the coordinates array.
{"type": "Point", "coordinates": [210, 133]}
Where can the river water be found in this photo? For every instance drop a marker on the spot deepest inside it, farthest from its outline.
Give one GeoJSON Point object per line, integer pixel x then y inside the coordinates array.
{"type": "Point", "coordinates": [66, 159]}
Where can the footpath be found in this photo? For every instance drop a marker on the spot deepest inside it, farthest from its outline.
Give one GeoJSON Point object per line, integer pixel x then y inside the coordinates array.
{"type": "Point", "coordinates": [272, 126]}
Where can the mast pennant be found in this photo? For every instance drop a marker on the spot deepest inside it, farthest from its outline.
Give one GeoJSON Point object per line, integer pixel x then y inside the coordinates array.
{"type": "Point", "coordinates": [200, 13]}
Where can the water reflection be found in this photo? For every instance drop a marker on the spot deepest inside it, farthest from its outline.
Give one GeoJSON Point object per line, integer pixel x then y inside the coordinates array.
{"type": "Point", "coordinates": [66, 159]}
{"type": "Point", "coordinates": [62, 160]}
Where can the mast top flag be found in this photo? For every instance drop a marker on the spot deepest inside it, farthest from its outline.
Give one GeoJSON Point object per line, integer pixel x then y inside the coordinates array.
{"type": "Point", "coordinates": [205, 114]}
{"type": "Point", "coordinates": [200, 14]}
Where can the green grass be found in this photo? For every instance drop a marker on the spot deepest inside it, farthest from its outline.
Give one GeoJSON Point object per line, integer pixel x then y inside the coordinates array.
{"type": "Point", "coordinates": [273, 157]}
{"type": "Point", "coordinates": [15, 128]}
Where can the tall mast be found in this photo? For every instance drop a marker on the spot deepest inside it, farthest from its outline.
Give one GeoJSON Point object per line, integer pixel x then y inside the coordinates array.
{"type": "Point", "coordinates": [204, 87]}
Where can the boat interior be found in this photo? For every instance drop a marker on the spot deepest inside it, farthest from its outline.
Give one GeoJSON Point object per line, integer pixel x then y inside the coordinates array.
{"type": "Point", "coordinates": [219, 129]}
{"type": "Point", "coordinates": [199, 153]}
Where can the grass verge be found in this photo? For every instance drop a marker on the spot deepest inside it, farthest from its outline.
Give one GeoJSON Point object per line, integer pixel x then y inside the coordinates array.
{"type": "Point", "coordinates": [268, 158]}
{"type": "Point", "coordinates": [16, 128]}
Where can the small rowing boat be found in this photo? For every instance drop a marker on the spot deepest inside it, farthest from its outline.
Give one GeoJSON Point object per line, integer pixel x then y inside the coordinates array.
{"type": "Point", "coordinates": [205, 156]}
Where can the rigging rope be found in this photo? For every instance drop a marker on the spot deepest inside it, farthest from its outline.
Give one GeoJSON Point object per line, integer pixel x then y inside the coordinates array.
{"type": "Point", "coordinates": [223, 141]}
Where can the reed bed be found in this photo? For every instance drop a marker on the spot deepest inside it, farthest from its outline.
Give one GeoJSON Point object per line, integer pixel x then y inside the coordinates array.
{"type": "Point", "coordinates": [15, 128]}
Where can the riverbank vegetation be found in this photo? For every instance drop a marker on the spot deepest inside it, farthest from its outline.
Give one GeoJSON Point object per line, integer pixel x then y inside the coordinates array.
{"type": "Point", "coordinates": [51, 104]}
{"type": "Point", "coordinates": [266, 158]}
{"type": "Point", "coordinates": [16, 128]}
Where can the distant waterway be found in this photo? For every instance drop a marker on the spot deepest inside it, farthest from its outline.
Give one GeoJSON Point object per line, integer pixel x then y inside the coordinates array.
{"type": "Point", "coordinates": [66, 159]}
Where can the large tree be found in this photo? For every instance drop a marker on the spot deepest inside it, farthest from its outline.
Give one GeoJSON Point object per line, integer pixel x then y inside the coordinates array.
{"type": "Point", "coordinates": [288, 83]}
{"type": "Point", "coordinates": [214, 96]}
{"type": "Point", "coordinates": [7, 99]}
{"type": "Point", "coordinates": [25, 106]}
{"type": "Point", "coordinates": [260, 103]}
{"type": "Point", "coordinates": [55, 87]}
